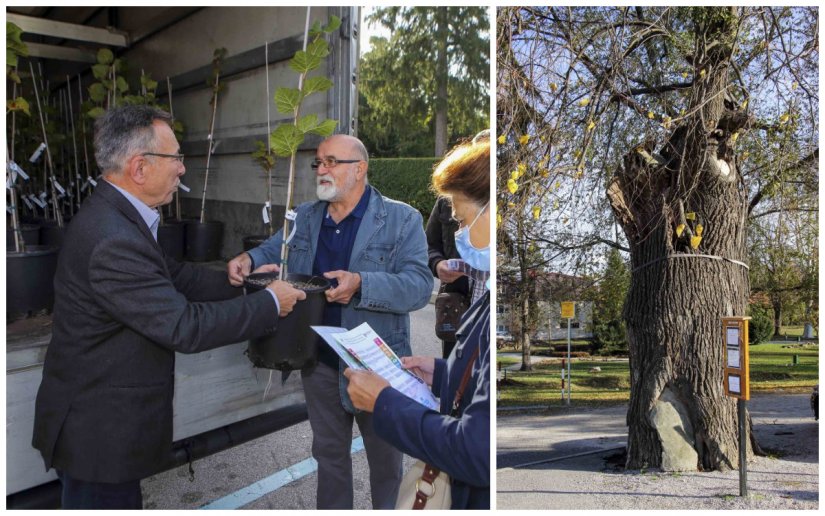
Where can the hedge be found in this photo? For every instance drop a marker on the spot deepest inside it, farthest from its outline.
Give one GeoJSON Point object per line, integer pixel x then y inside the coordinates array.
{"type": "Point", "coordinates": [406, 180]}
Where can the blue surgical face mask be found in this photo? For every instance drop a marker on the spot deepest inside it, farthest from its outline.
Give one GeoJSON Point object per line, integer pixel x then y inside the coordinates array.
{"type": "Point", "coordinates": [476, 258]}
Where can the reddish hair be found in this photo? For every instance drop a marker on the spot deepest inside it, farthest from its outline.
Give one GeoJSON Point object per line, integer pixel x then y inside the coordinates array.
{"type": "Point", "coordinates": [465, 170]}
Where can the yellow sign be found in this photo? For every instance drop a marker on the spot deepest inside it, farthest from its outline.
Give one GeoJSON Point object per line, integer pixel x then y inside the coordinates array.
{"type": "Point", "coordinates": [737, 360]}
{"type": "Point", "coordinates": [568, 309]}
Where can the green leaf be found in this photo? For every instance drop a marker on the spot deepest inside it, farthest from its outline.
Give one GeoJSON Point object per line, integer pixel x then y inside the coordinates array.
{"type": "Point", "coordinates": [100, 71]}
{"type": "Point", "coordinates": [287, 100]}
{"type": "Point", "coordinates": [325, 128]}
{"type": "Point", "coordinates": [285, 140]}
{"type": "Point", "coordinates": [18, 104]}
{"type": "Point", "coordinates": [122, 85]}
{"type": "Point", "coordinates": [315, 30]}
{"type": "Point", "coordinates": [302, 62]}
{"type": "Point", "coordinates": [105, 56]}
{"type": "Point", "coordinates": [96, 112]}
{"type": "Point", "coordinates": [13, 75]}
{"type": "Point", "coordinates": [11, 58]}
{"type": "Point", "coordinates": [307, 123]}
{"type": "Point", "coordinates": [97, 92]}
{"type": "Point", "coordinates": [316, 84]}
{"type": "Point", "coordinates": [334, 23]}
{"type": "Point", "coordinates": [318, 48]}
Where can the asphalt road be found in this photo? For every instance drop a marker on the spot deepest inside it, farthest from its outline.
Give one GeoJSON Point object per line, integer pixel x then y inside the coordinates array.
{"type": "Point", "coordinates": [554, 462]}
{"type": "Point", "coordinates": [247, 476]}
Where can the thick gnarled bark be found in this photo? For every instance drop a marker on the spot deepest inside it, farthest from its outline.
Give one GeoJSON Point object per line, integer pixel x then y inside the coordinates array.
{"type": "Point", "coordinates": [679, 292]}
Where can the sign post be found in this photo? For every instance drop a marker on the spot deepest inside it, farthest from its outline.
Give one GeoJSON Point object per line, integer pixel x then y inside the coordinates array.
{"type": "Point", "coordinates": [568, 311]}
{"type": "Point", "coordinates": [737, 384]}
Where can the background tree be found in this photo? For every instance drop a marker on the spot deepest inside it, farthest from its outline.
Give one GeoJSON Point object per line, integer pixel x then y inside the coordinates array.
{"type": "Point", "coordinates": [609, 333]}
{"type": "Point", "coordinates": [676, 124]}
{"type": "Point", "coordinates": [428, 84]}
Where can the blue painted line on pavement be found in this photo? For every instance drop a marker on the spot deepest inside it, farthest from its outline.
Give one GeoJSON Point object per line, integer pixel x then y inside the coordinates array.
{"type": "Point", "coordinates": [263, 487]}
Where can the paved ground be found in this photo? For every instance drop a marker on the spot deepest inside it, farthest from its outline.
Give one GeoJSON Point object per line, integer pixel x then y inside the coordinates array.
{"type": "Point", "coordinates": [287, 452]}
{"type": "Point", "coordinates": [569, 478]}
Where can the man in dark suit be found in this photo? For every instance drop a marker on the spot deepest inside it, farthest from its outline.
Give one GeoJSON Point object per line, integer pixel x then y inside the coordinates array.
{"type": "Point", "coordinates": [103, 414]}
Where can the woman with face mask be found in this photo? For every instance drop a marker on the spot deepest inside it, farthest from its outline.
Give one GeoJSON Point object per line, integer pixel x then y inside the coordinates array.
{"type": "Point", "coordinates": [456, 439]}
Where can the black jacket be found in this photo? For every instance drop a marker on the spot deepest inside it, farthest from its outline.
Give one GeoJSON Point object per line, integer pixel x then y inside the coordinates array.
{"type": "Point", "coordinates": [122, 309]}
{"type": "Point", "coordinates": [441, 228]}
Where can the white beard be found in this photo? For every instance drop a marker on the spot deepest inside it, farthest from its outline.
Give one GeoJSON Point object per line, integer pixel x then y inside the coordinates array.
{"type": "Point", "coordinates": [332, 192]}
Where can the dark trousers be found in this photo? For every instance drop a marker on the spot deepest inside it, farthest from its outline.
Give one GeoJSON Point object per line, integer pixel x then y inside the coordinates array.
{"type": "Point", "coordinates": [79, 494]}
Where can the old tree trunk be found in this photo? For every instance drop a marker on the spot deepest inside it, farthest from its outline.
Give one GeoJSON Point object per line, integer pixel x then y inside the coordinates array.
{"type": "Point", "coordinates": [679, 417]}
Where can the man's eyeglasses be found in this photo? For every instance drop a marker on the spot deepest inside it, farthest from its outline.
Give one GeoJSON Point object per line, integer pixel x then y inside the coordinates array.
{"type": "Point", "coordinates": [178, 157]}
{"type": "Point", "coordinates": [331, 162]}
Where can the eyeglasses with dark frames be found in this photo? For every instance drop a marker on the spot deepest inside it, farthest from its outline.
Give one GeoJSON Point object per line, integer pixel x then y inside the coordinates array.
{"type": "Point", "coordinates": [178, 157]}
{"type": "Point", "coordinates": [331, 162]}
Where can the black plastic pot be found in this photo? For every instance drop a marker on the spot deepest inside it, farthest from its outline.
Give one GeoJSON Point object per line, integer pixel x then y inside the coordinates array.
{"type": "Point", "coordinates": [51, 234]}
{"type": "Point", "coordinates": [30, 280]}
{"type": "Point", "coordinates": [203, 240]}
{"type": "Point", "coordinates": [31, 235]}
{"type": "Point", "coordinates": [293, 345]}
{"type": "Point", "coordinates": [172, 238]}
{"type": "Point", "coordinates": [253, 241]}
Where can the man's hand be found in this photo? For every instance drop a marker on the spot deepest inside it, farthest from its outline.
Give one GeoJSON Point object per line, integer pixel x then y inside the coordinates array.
{"type": "Point", "coordinates": [445, 274]}
{"type": "Point", "coordinates": [364, 388]}
{"type": "Point", "coordinates": [348, 285]}
{"type": "Point", "coordinates": [269, 267]}
{"type": "Point", "coordinates": [421, 366]}
{"type": "Point", "coordinates": [238, 268]}
{"type": "Point", "coordinates": [287, 295]}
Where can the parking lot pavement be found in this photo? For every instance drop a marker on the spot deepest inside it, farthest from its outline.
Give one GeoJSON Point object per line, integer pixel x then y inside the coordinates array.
{"type": "Point", "coordinates": [280, 458]}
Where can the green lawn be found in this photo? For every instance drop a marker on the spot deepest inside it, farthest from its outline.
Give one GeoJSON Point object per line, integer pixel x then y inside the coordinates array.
{"type": "Point", "coordinates": [771, 369]}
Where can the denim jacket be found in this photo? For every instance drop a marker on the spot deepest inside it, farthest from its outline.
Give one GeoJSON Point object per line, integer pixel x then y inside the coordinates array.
{"type": "Point", "coordinates": [390, 254]}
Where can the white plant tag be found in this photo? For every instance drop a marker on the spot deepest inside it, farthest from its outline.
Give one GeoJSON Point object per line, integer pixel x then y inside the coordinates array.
{"type": "Point", "coordinates": [28, 203]}
{"type": "Point", "coordinates": [265, 213]}
{"type": "Point", "coordinates": [59, 188]}
{"type": "Point", "coordinates": [15, 167]}
{"type": "Point", "coordinates": [94, 183]}
{"type": "Point", "coordinates": [37, 153]}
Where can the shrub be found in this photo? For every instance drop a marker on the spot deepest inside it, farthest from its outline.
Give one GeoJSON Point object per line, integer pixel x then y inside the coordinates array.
{"type": "Point", "coordinates": [760, 328]}
{"type": "Point", "coordinates": [406, 180]}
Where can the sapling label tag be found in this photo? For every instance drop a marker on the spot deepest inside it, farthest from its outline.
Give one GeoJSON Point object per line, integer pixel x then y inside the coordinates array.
{"type": "Point", "coordinates": [8, 209]}
{"type": "Point", "coordinates": [28, 203]}
{"type": "Point", "coordinates": [37, 201]}
{"type": "Point", "coordinates": [265, 213]}
{"type": "Point", "coordinates": [16, 168]}
{"type": "Point", "coordinates": [184, 187]}
{"type": "Point", "coordinates": [10, 179]}
{"type": "Point", "coordinates": [94, 183]}
{"type": "Point", "coordinates": [37, 153]}
{"type": "Point", "coordinates": [59, 188]}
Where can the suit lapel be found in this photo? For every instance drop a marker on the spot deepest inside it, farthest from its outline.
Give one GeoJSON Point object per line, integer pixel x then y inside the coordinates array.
{"type": "Point", "coordinates": [373, 221]}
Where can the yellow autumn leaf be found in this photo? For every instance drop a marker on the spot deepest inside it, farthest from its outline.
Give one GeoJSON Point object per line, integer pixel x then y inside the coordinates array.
{"type": "Point", "coordinates": [498, 219]}
{"type": "Point", "coordinates": [585, 101]}
{"type": "Point", "coordinates": [745, 155]}
{"type": "Point", "coordinates": [699, 229]}
{"type": "Point", "coordinates": [591, 125]}
{"type": "Point", "coordinates": [524, 139]}
{"type": "Point", "coordinates": [666, 121]}
{"type": "Point", "coordinates": [553, 87]}
{"type": "Point", "coordinates": [522, 169]}
{"type": "Point", "coordinates": [545, 173]}
{"type": "Point", "coordinates": [536, 212]}
{"type": "Point", "coordinates": [514, 175]}
{"type": "Point", "coordinates": [680, 229]}
{"type": "Point", "coordinates": [734, 137]}
{"type": "Point", "coordinates": [543, 161]}
{"type": "Point", "coordinates": [558, 185]}
{"type": "Point", "coordinates": [684, 75]}
{"type": "Point", "coordinates": [502, 139]}
{"type": "Point", "coordinates": [577, 154]}
{"type": "Point", "coordinates": [682, 112]}
{"type": "Point", "coordinates": [579, 173]}
{"type": "Point", "coordinates": [694, 241]}
{"type": "Point", "coordinates": [691, 215]}
{"type": "Point", "coordinates": [556, 205]}
{"type": "Point", "coordinates": [702, 73]}
{"type": "Point", "coordinates": [745, 104]}
{"type": "Point", "coordinates": [512, 185]}
{"type": "Point", "coordinates": [795, 85]}
{"type": "Point", "coordinates": [511, 204]}
{"type": "Point", "coordinates": [650, 115]}
{"type": "Point", "coordinates": [784, 118]}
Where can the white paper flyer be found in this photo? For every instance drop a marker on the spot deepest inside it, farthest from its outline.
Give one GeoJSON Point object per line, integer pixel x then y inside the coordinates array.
{"type": "Point", "coordinates": [362, 348]}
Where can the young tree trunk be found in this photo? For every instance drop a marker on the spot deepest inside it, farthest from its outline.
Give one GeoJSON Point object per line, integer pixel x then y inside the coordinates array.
{"type": "Point", "coordinates": [442, 71]}
{"type": "Point", "coordinates": [679, 417]}
{"type": "Point", "coordinates": [777, 317]}
{"type": "Point", "coordinates": [524, 338]}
